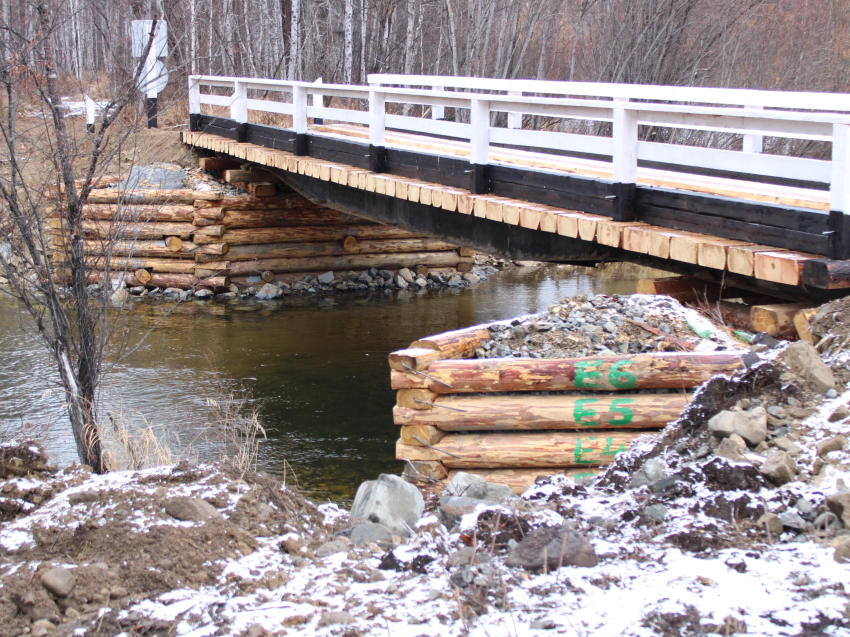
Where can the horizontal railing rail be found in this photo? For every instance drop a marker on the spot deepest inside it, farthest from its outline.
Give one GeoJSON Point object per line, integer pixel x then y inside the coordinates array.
{"type": "Point", "coordinates": [752, 114]}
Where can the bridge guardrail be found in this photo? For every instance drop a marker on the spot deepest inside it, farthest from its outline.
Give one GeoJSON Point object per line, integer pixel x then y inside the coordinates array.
{"type": "Point", "coordinates": [826, 119]}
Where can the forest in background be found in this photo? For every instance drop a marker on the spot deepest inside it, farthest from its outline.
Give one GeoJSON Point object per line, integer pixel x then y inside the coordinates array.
{"type": "Point", "coordinates": [768, 44]}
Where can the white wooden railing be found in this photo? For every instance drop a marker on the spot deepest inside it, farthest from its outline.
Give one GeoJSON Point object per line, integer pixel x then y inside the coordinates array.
{"type": "Point", "coordinates": [753, 114]}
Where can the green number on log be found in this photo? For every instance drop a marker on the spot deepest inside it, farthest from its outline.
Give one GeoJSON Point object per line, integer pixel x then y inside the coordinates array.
{"type": "Point", "coordinates": [616, 405]}
{"type": "Point", "coordinates": [580, 411]}
{"type": "Point", "coordinates": [584, 377]}
{"type": "Point", "coordinates": [621, 380]}
{"type": "Point", "coordinates": [607, 451]}
{"type": "Point", "coordinates": [579, 451]}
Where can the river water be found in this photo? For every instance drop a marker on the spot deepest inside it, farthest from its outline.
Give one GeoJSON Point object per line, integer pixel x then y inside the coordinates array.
{"type": "Point", "coordinates": [317, 366]}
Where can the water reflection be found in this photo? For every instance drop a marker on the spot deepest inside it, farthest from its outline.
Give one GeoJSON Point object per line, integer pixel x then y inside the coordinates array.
{"type": "Point", "coordinates": [319, 365]}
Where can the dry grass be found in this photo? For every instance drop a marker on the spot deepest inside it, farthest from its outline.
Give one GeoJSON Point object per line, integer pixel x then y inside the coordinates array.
{"type": "Point", "coordinates": [224, 426]}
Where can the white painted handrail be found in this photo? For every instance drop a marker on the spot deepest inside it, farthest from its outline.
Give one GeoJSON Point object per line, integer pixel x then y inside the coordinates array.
{"type": "Point", "coordinates": [826, 118]}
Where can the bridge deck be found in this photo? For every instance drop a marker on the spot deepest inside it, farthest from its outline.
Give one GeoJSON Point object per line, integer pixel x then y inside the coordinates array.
{"type": "Point", "coordinates": [744, 264]}
{"type": "Point", "coordinates": [748, 190]}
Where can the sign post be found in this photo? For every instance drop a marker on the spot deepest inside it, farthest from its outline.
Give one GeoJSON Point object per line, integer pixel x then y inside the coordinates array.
{"type": "Point", "coordinates": [154, 76]}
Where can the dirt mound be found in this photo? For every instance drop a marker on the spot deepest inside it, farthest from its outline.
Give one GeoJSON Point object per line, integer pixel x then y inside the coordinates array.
{"type": "Point", "coordinates": [116, 536]}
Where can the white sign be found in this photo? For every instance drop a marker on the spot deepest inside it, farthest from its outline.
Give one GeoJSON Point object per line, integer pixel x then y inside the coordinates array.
{"type": "Point", "coordinates": [154, 76]}
{"type": "Point", "coordinates": [140, 31]}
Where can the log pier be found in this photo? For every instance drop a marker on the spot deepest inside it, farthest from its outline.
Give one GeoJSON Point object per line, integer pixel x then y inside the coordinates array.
{"type": "Point", "coordinates": [457, 413]}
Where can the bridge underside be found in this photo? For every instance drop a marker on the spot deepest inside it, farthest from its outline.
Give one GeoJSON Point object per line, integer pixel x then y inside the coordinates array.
{"type": "Point", "coordinates": [533, 214]}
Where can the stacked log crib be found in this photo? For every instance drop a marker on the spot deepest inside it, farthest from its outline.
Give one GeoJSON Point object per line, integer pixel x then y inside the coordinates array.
{"type": "Point", "coordinates": [201, 239]}
{"type": "Point", "coordinates": [458, 413]}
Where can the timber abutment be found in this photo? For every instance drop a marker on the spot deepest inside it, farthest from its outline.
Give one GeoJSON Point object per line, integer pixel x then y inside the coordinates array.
{"type": "Point", "coordinates": [564, 391]}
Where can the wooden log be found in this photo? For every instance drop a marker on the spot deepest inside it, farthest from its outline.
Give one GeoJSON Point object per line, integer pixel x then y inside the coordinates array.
{"type": "Point", "coordinates": [285, 218]}
{"type": "Point", "coordinates": [425, 470]}
{"type": "Point", "coordinates": [349, 243]}
{"type": "Point", "coordinates": [130, 229]}
{"type": "Point", "coordinates": [175, 244]}
{"type": "Point", "coordinates": [421, 435]}
{"type": "Point", "coordinates": [175, 266]}
{"type": "Point", "coordinates": [466, 252]}
{"type": "Point", "coordinates": [139, 249]}
{"type": "Point", "coordinates": [610, 233]}
{"type": "Point", "coordinates": [663, 370]}
{"type": "Point", "coordinates": [178, 196]}
{"type": "Point", "coordinates": [204, 215]}
{"type": "Point", "coordinates": [519, 450]}
{"type": "Point", "coordinates": [777, 320]}
{"type": "Point", "coordinates": [422, 270]}
{"type": "Point", "coordinates": [186, 281]}
{"type": "Point", "coordinates": [346, 262]}
{"type": "Point", "coordinates": [735, 316]}
{"type": "Point", "coordinates": [96, 277]}
{"type": "Point", "coordinates": [826, 274]}
{"type": "Point", "coordinates": [216, 230]}
{"type": "Point", "coordinates": [109, 212]}
{"type": "Point", "coordinates": [802, 321]}
{"type": "Point", "coordinates": [520, 480]}
{"type": "Point", "coordinates": [781, 267]}
{"type": "Point", "coordinates": [685, 246]}
{"type": "Point", "coordinates": [300, 234]}
{"type": "Point", "coordinates": [417, 358]}
{"type": "Point", "coordinates": [685, 289]}
{"type": "Point", "coordinates": [406, 379]}
{"type": "Point", "coordinates": [714, 254]}
{"type": "Point", "coordinates": [218, 164]}
{"type": "Point", "coordinates": [143, 276]}
{"type": "Point", "coordinates": [464, 266]}
{"type": "Point", "coordinates": [524, 412]}
{"type": "Point", "coordinates": [415, 398]}
{"type": "Point", "coordinates": [457, 343]}
{"type": "Point", "coordinates": [233, 204]}
{"type": "Point", "coordinates": [248, 176]}
{"type": "Point", "coordinates": [299, 250]}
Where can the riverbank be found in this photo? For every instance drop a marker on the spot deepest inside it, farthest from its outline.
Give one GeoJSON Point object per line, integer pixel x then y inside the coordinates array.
{"type": "Point", "coordinates": [733, 520]}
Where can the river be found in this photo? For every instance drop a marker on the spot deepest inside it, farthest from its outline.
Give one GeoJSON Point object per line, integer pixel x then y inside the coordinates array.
{"type": "Point", "coordinates": [317, 366]}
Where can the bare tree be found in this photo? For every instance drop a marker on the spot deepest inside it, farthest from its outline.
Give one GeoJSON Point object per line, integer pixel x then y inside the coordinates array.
{"type": "Point", "coordinates": [71, 324]}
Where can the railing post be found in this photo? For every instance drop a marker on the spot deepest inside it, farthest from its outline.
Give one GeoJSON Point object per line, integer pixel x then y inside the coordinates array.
{"type": "Point", "coordinates": [839, 194]}
{"type": "Point", "coordinates": [479, 146]}
{"type": "Point", "coordinates": [194, 103]}
{"type": "Point", "coordinates": [239, 110]}
{"type": "Point", "coordinates": [377, 132]}
{"type": "Point", "coordinates": [515, 119]}
{"type": "Point", "coordinates": [318, 101]}
{"type": "Point", "coordinates": [299, 119]}
{"type": "Point", "coordinates": [438, 112]}
{"type": "Point", "coordinates": [625, 138]}
{"type": "Point", "coordinates": [754, 143]}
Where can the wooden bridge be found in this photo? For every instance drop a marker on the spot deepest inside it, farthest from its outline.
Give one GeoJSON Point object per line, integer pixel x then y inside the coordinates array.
{"type": "Point", "coordinates": [671, 177]}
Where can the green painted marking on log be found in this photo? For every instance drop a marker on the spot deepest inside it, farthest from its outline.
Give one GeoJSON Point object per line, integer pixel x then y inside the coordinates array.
{"type": "Point", "coordinates": [621, 379]}
{"type": "Point", "coordinates": [584, 377]}
{"type": "Point", "coordinates": [607, 451]}
{"type": "Point", "coordinates": [579, 451]}
{"type": "Point", "coordinates": [617, 405]}
{"type": "Point", "coordinates": [580, 411]}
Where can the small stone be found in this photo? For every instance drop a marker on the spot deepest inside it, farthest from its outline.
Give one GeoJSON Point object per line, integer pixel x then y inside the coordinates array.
{"type": "Point", "coordinates": [841, 546]}
{"type": "Point", "coordinates": [831, 393]}
{"type": "Point", "coordinates": [401, 282]}
{"type": "Point", "coordinates": [362, 534]}
{"type": "Point", "coordinates": [543, 624]}
{"type": "Point", "coordinates": [471, 277]}
{"type": "Point", "coordinates": [771, 523]}
{"type": "Point", "coordinates": [466, 555]}
{"type": "Point", "coordinates": [203, 293]}
{"type": "Point", "coordinates": [119, 297]}
{"type": "Point", "coordinates": [804, 361]}
{"type": "Point", "coordinates": [836, 443]}
{"type": "Point", "coordinates": [552, 547]}
{"type": "Point", "coordinates": [655, 512]}
{"type": "Point", "coordinates": [824, 520]}
{"type": "Point", "coordinates": [191, 510]}
{"type": "Point", "coordinates": [334, 546]}
{"type": "Point", "coordinates": [454, 281]}
{"type": "Point", "coordinates": [841, 412]}
{"type": "Point", "coordinates": [804, 507]}
{"type": "Point", "coordinates": [462, 577]}
{"type": "Point", "coordinates": [750, 425]}
{"type": "Point", "coordinates": [434, 594]}
{"type": "Point", "coordinates": [732, 448]}
{"type": "Point", "coordinates": [651, 471]}
{"type": "Point", "coordinates": [788, 446]}
{"type": "Point", "coordinates": [776, 411]}
{"type": "Point", "coordinates": [406, 275]}
{"type": "Point", "coordinates": [421, 282]}
{"type": "Point", "coordinates": [117, 592]}
{"type": "Point", "coordinates": [792, 520]}
{"type": "Point", "coordinates": [779, 467]}
{"type": "Point", "coordinates": [331, 618]}
{"type": "Point", "coordinates": [59, 581]}
{"type": "Point", "coordinates": [41, 628]}
{"type": "Point", "coordinates": [839, 504]}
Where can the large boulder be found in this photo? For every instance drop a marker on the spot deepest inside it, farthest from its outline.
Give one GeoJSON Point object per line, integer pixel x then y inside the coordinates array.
{"type": "Point", "coordinates": [553, 547]}
{"type": "Point", "coordinates": [390, 501]}
{"type": "Point", "coordinates": [191, 510]}
{"type": "Point", "coordinates": [750, 425]}
{"type": "Point", "coordinates": [803, 359]}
